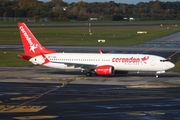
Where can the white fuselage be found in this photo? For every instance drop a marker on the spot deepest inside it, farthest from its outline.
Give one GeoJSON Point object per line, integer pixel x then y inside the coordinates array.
{"type": "Point", "coordinates": [121, 62]}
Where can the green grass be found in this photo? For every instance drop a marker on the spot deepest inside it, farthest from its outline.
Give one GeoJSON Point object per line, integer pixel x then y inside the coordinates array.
{"type": "Point", "coordinates": [177, 67]}
{"type": "Point", "coordinates": [14, 23]}
{"type": "Point", "coordinates": [10, 58]}
{"type": "Point", "coordinates": [117, 35]}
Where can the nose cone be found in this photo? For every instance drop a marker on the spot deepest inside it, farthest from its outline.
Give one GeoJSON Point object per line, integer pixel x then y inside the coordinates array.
{"type": "Point", "coordinates": [171, 65]}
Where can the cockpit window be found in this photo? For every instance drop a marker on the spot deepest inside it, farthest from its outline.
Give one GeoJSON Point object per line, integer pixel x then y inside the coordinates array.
{"type": "Point", "coordinates": [164, 60]}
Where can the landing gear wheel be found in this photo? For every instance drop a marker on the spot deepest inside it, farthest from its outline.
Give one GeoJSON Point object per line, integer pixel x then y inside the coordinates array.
{"type": "Point", "coordinates": [88, 74]}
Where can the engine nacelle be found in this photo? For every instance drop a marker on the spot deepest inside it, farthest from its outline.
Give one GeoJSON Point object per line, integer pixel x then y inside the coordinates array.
{"type": "Point", "coordinates": [104, 70]}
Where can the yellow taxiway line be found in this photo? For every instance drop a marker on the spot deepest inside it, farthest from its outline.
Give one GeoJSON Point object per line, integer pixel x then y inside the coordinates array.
{"type": "Point", "coordinates": [13, 108]}
{"type": "Point", "coordinates": [34, 117]}
{"type": "Point", "coordinates": [23, 98]}
{"type": "Point", "coordinates": [153, 86]}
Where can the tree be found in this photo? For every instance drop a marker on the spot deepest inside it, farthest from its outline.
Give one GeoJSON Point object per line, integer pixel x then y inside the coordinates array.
{"type": "Point", "coordinates": [83, 10]}
{"type": "Point", "coordinates": [116, 17]}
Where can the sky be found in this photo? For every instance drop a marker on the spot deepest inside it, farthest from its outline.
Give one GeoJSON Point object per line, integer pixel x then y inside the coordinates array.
{"type": "Point", "coordinates": [116, 1]}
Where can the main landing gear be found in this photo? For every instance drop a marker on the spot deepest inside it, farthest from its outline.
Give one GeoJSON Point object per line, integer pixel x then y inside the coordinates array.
{"type": "Point", "coordinates": [90, 73]}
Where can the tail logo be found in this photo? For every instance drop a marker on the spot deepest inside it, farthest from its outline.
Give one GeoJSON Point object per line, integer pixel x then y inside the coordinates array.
{"type": "Point", "coordinates": [32, 45]}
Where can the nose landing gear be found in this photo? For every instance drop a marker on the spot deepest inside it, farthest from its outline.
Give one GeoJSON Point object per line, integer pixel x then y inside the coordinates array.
{"type": "Point", "coordinates": [159, 72]}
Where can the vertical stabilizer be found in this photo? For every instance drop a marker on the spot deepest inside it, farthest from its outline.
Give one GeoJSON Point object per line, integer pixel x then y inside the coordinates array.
{"type": "Point", "coordinates": [30, 44]}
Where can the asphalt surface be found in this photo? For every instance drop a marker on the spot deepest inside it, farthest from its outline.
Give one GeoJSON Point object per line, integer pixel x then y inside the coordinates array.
{"type": "Point", "coordinates": [43, 93]}
{"type": "Point", "coordinates": [79, 102]}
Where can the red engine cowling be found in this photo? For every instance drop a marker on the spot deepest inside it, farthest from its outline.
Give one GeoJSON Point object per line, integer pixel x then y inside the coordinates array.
{"type": "Point", "coordinates": [105, 70]}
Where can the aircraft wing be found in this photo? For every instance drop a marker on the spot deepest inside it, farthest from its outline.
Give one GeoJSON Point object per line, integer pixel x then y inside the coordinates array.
{"type": "Point", "coordinates": [77, 65]}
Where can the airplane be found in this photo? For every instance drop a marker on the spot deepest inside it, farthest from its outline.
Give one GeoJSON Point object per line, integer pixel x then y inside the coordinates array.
{"type": "Point", "coordinates": [92, 63]}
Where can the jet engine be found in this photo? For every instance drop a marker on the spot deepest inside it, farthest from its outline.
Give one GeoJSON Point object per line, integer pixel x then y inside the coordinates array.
{"type": "Point", "coordinates": [105, 70]}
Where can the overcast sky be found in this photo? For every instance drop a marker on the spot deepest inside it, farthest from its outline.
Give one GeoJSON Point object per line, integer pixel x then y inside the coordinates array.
{"type": "Point", "coordinates": [116, 1]}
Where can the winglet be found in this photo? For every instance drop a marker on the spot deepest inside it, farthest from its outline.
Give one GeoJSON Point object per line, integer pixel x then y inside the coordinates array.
{"type": "Point", "coordinates": [100, 51]}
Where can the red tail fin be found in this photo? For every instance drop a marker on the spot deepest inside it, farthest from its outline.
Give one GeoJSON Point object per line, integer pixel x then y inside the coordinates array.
{"type": "Point", "coordinates": [31, 45]}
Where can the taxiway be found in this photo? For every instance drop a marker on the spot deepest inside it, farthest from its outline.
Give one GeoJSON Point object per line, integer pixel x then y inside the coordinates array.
{"type": "Point", "coordinates": [37, 92]}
